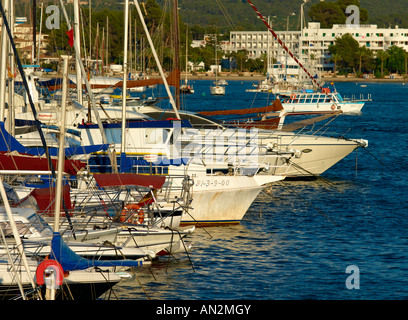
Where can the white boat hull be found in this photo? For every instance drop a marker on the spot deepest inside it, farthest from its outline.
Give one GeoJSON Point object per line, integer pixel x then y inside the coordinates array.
{"type": "Point", "coordinates": [314, 155]}
{"type": "Point", "coordinates": [85, 284]}
{"type": "Point", "coordinates": [223, 199]}
{"type": "Point", "coordinates": [346, 107]}
{"type": "Point", "coordinates": [90, 251]}
{"type": "Point", "coordinates": [217, 90]}
{"type": "Point", "coordinates": [155, 240]}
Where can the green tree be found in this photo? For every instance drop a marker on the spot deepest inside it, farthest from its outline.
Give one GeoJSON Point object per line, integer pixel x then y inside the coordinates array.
{"type": "Point", "coordinates": [347, 47]}
{"type": "Point", "coordinates": [396, 59]}
{"type": "Point", "coordinates": [406, 61]}
{"type": "Point", "coordinates": [241, 56]}
{"type": "Point", "coordinates": [208, 55]}
{"type": "Point", "coordinates": [365, 59]}
{"type": "Point", "coordinates": [327, 13]}
{"type": "Point", "coordinates": [382, 55]}
{"type": "Point", "coordinates": [335, 58]}
{"type": "Point", "coordinates": [256, 65]}
{"type": "Point", "coordinates": [58, 39]}
{"type": "Point", "coordinates": [343, 4]}
{"type": "Point", "coordinates": [368, 61]}
{"type": "Point", "coordinates": [195, 55]}
{"type": "Point", "coordinates": [264, 59]}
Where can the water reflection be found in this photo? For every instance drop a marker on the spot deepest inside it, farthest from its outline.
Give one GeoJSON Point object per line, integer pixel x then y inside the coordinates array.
{"type": "Point", "coordinates": [222, 257]}
{"type": "Point", "coordinates": [285, 230]}
{"type": "Point", "coordinates": [296, 241]}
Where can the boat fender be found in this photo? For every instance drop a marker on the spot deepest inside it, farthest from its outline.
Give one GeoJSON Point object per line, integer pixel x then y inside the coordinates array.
{"type": "Point", "coordinates": [271, 146]}
{"type": "Point", "coordinates": [137, 208]}
{"type": "Point", "coordinates": [46, 267]}
{"type": "Point", "coordinates": [333, 107]}
{"type": "Point", "coordinates": [297, 153]}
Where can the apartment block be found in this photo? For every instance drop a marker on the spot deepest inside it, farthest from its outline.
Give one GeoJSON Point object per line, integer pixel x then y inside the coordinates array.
{"type": "Point", "coordinates": [311, 44]}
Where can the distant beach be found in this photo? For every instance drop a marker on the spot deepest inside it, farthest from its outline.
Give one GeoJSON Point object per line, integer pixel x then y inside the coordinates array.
{"type": "Point", "coordinates": [246, 76]}
{"type": "Point", "coordinates": [356, 79]}
{"type": "Point", "coordinates": [258, 77]}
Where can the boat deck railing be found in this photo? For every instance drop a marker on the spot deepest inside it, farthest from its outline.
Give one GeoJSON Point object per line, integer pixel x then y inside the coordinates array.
{"type": "Point", "coordinates": [361, 98]}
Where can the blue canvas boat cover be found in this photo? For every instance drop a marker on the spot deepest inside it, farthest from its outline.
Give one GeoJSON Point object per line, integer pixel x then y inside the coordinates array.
{"type": "Point", "coordinates": [70, 261]}
{"type": "Point", "coordinates": [165, 124]}
{"type": "Point", "coordinates": [9, 143]}
{"type": "Point", "coordinates": [69, 151]}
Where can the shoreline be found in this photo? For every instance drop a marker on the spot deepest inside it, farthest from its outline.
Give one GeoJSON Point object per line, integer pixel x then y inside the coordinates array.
{"type": "Point", "coordinates": [256, 78]}
{"type": "Point", "coordinates": [355, 79]}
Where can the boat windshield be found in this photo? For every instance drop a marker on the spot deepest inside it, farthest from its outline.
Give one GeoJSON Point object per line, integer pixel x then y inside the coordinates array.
{"type": "Point", "coordinates": [22, 228]}
{"type": "Point", "coordinates": [308, 98]}
{"type": "Point", "coordinates": [195, 119]}
{"type": "Point", "coordinates": [38, 223]}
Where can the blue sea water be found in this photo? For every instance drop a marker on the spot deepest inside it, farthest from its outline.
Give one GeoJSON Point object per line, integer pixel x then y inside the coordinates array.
{"type": "Point", "coordinates": [298, 243]}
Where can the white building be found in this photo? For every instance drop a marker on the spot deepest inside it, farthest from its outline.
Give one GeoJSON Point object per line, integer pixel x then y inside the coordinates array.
{"type": "Point", "coordinates": [23, 39]}
{"type": "Point", "coordinates": [256, 42]}
{"type": "Point", "coordinates": [222, 44]}
{"type": "Point", "coordinates": [316, 41]}
{"type": "Point", "coordinates": [312, 45]}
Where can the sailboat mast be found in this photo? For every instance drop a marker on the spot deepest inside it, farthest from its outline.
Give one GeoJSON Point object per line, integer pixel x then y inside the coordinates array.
{"type": "Point", "coordinates": [97, 47]}
{"type": "Point", "coordinates": [107, 43]}
{"type": "Point", "coordinates": [124, 88]}
{"type": "Point", "coordinates": [149, 39]}
{"type": "Point", "coordinates": [216, 60]}
{"type": "Point", "coordinates": [268, 51]}
{"type": "Point", "coordinates": [283, 45]}
{"type": "Point", "coordinates": [77, 37]}
{"type": "Point", "coordinates": [301, 35]}
{"type": "Point", "coordinates": [3, 62]}
{"type": "Point", "coordinates": [286, 54]}
{"type": "Point", "coordinates": [61, 151]}
{"type": "Point", "coordinates": [34, 22]}
{"type": "Point", "coordinates": [90, 37]}
{"type": "Point", "coordinates": [90, 93]}
{"type": "Point", "coordinates": [103, 52]}
{"type": "Point", "coordinates": [39, 36]}
{"type": "Point", "coordinates": [11, 108]}
{"type": "Point", "coordinates": [186, 51]}
{"type": "Point", "coordinates": [130, 43]}
{"type": "Point", "coordinates": [16, 234]}
{"type": "Point", "coordinates": [176, 52]}
{"type": "Point", "coordinates": [136, 66]}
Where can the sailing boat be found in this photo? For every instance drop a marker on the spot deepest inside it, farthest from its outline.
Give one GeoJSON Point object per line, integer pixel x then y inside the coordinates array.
{"type": "Point", "coordinates": [216, 89]}
{"type": "Point", "coordinates": [17, 282]}
{"type": "Point", "coordinates": [229, 195]}
{"type": "Point", "coordinates": [185, 87]}
{"type": "Point", "coordinates": [61, 254]}
{"type": "Point", "coordinates": [16, 279]}
{"type": "Point", "coordinates": [312, 153]}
